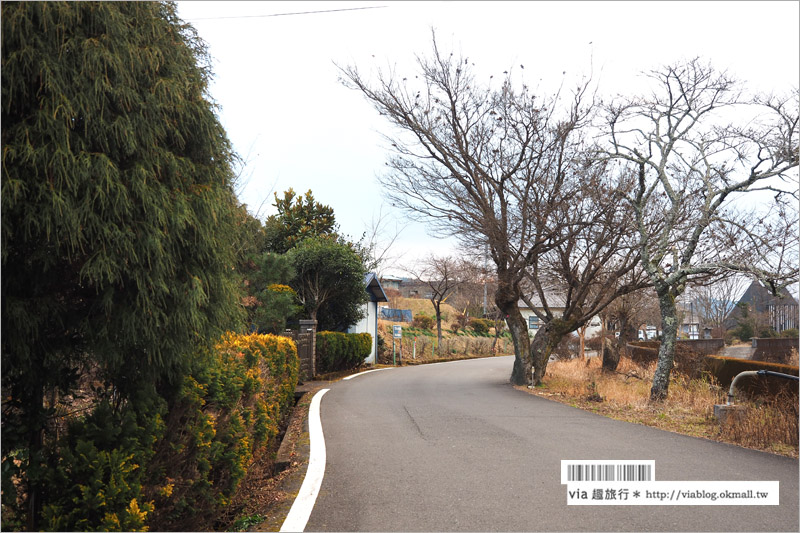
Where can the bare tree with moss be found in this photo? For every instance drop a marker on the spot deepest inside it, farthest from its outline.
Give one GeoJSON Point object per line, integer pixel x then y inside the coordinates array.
{"type": "Point", "coordinates": [698, 143]}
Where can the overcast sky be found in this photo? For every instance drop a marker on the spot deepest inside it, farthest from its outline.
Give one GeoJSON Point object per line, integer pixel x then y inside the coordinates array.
{"type": "Point", "coordinates": [296, 126]}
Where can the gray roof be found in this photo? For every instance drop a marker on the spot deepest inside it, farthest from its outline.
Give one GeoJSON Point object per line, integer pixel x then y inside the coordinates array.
{"type": "Point", "coordinates": [553, 298]}
{"type": "Point", "coordinates": [374, 288]}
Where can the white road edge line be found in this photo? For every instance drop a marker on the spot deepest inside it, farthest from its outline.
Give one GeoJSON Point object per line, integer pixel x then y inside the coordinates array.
{"type": "Point", "coordinates": [365, 372]}
{"type": "Point", "coordinates": [301, 509]}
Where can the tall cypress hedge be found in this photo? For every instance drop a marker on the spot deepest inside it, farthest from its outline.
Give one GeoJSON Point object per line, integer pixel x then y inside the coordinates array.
{"type": "Point", "coordinates": [117, 214]}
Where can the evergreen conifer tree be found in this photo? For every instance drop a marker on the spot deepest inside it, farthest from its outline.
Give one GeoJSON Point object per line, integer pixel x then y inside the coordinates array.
{"type": "Point", "coordinates": [117, 209]}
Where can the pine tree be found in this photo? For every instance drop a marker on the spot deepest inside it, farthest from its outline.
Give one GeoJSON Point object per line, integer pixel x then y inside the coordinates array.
{"type": "Point", "coordinates": [117, 208]}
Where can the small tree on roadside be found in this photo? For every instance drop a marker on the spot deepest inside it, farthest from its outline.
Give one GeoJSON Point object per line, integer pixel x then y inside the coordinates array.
{"type": "Point", "coordinates": [693, 159]}
{"type": "Point", "coordinates": [628, 312]}
{"type": "Point", "coordinates": [329, 282]}
{"type": "Point", "coordinates": [441, 276]}
{"type": "Point", "coordinates": [377, 242]}
{"type": "Point", "coordinates": [592, 263]}
{"type": "Point", "coordinates": [715, 302]}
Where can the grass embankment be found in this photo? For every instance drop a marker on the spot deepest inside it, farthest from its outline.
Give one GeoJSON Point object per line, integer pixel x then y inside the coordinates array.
{"type": "Point", "coordinates": [768, 424]}
{"type": "Point", "coordinates": [464, 344]}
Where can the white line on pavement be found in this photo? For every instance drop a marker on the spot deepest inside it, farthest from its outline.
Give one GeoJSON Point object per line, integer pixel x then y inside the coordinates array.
{"type": "Point", "coordinates": [365, 372]}
{"type": "Point", "coordinates": [301, 509]}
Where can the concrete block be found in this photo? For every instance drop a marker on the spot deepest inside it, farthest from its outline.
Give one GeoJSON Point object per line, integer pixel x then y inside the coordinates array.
{"type": "Point", "coordinates": [723, 413]}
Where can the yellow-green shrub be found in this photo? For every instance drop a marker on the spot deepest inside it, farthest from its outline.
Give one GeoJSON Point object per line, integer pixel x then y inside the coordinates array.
{"type": "Point", "coordinates": [97, 473]}
{"type": "Point", "coordinates": [230, 405]}
{"type": "Point", "coordinates": [172, 458]}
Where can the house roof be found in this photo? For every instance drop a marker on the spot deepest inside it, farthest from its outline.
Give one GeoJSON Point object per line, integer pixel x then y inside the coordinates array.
{"type": "Point", "coordinates": [374, 288]}
{"type": "Point", "coordinates": [758, 295]}
{"type": "Point", "coordinates": [554, 300]}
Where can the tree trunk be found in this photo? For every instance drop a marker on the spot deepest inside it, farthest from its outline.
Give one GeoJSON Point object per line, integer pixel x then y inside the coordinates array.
{"type": "Point", "coordinates": [544, 342]}
{"type": "Point", "coordinates": [35, 452]}
{"type": "Point", "coordinates": [666, 352]}
{"type": "Point", "coordinates": [611, 355]}
{"type": "Point", "coordinates": [496, 336]}
{"type": "Point", "coordinates": [438, 309]}
{"type": "Point", "coordinates": [612, 350]}
{"type": "Point", "coordinates": [507, 300]}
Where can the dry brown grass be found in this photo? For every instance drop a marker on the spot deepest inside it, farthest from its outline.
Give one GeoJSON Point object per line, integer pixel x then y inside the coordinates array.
{"type": "Point", "coordinates": [689, 409]}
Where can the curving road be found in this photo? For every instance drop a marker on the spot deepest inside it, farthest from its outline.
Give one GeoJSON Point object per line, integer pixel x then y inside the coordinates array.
{"type": "Point", "coordinates": [453, 447]}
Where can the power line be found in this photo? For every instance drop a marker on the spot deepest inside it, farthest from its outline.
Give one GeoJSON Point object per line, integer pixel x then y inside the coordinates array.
{"type": "Point", "coordinates": [287, 14]}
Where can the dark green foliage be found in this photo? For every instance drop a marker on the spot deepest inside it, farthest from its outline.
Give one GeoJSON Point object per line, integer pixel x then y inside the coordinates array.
{"type": "Point", "coordinates": [118, 213]}
{"type": "Point", "coordinates": [342, 351]}
{"type": "Point", "coordinates": [96, 482]}
{"type": "Point", "coordinates": [272, 301]}
{"type": "Point", "coordinates": [298, 218]}
{"type": "Point", "coordinates": [329, 281]}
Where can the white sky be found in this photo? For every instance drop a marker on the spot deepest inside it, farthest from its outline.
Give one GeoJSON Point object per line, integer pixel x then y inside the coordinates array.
{"type": "Point", "coordinates": [297, 126]}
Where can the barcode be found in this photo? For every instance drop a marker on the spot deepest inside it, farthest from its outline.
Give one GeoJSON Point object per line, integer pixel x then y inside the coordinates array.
{"type": "Point", "coordinates": [604, 471]}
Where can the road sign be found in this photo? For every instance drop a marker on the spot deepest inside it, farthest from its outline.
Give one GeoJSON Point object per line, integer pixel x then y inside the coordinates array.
{"type": "Point", "coordinates": [397, 331]}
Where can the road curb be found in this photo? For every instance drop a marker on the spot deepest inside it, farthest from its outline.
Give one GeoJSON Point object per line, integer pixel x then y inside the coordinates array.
{"type": "Point", "coordinates": [297, 425]}
{"type": "Point", "coordinates": [292, 458]}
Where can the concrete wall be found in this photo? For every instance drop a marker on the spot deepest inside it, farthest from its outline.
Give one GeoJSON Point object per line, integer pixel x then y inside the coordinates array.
{"type": "Point", "coordinates": [594, 324]}
{"type": "Point", "coordinates": [704, 346]}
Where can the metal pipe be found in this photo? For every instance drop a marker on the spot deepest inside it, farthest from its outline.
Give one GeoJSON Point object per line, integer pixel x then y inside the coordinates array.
{"type": "Point", "coordinates": [757, 373]}
{"type": "Point", "coordinates": [747, 373]}
{"type": "Point", "coordinates": [778, 375]}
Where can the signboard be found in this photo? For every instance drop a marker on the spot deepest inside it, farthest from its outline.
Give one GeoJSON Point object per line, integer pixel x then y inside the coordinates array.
{"type": "Point", "coordinates": [397, 331]}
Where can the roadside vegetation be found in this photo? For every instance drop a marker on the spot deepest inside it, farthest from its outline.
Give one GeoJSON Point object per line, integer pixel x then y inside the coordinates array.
{"type": "Point", "coordinates": [768, 423]}
{"type": "Point", "coordinates": [462, 336]}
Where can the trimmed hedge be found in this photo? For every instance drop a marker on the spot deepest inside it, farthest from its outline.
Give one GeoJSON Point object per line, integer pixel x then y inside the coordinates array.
{"type": "Point", "coordinates": [423, 322]}
{"type": "Point", "coordinates": [341, 351]}
{"type": "Point", "coordinates": [173, 459]}
{"type": "Point", "coordinates": [687, 361]}
{"type": "Point", "coordinates": [727, 368]}
{"type": "Point", "coordinates": [481, 325]}
{"type": "Point", "coordinates": [226, 410]}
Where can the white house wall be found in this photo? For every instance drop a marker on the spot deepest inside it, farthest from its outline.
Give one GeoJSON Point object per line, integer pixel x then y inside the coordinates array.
{"type": "Point", "coordinates": [368, 324]}
{"type": "Point", "coordinates": [594, 328]}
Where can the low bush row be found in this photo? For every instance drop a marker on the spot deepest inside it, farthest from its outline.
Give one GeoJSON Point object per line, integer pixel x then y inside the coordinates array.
{"type": "Point", "coordinates": [341, 351]}
{"type": "Point", "coordinates": [171, 459]}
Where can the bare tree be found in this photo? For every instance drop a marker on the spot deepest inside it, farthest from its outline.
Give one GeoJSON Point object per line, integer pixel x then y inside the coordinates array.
{"type": "Point", "coordinates": [590, 266]}
{"type": "Point", "coordinates": [693, 160]}
{"type": "Point", "coordinates": [378, 240]}
{"type": "Point", "coordinates": [628, 313]}
{"type": "Point", "coordinates": [442, 276]}
{"type": "Point", "coordinates": [715, 302]}
{"type": "Point", "coordinates": [484, 162]}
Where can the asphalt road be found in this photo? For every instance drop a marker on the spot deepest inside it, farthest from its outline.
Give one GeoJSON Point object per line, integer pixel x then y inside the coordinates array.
{"type": "Point", "coordinates": [453, 447]}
